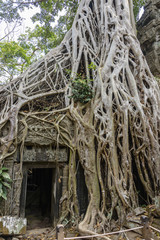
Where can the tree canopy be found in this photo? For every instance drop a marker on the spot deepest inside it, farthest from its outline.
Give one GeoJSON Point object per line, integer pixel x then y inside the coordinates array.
{"type": "Point", "coordinates": [37, 42]}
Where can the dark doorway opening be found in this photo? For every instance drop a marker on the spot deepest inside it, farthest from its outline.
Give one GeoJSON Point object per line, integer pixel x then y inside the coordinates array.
{"type": "Point", "coordinates": [38, 197]}
{"type": "Point", "coordinates": [41, 191]}
{"type": "Point", "coordinates": [142, 195]}
{"type": "Point", "coordinates": [82, 191]}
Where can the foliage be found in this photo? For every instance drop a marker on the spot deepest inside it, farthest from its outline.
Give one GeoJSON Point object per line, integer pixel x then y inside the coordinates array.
{"type": "Point", "coordinates": [13, 11]}
{"type": "Point", "coordinates": [81, 89]}
{"type": "Point", "coordinates": [13, 59]}
{"type": "Point", "coordinates": [81, 86]}
{"type": "Point", "coordinates": [16, 56]}
{"type": "Point", "coordinates": [49, 10]}
{"type": "Point", "coordinates": [5, 181]}
{"type": "Point", "coordinates": [158, 79]}
{"type": "Point", "coordinates": [137, 4]}
{"type": "Point", "coordinates": [40, 38]}
{"type": "Point", "coordinates": [9, 11]}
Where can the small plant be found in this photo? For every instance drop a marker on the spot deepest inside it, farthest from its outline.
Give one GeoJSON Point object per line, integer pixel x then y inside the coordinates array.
{"type": "Point", "coordinates": [92, 66]}
{"type": "Point", "coordinates": [5, 181]}
{"type": "Point", "coordinates": [81, 89]}
{"type": "Point", "coordinates": [158, 79]}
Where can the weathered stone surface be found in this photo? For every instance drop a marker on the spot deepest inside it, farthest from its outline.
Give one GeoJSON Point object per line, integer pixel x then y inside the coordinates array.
{"type": "Point", "coordinates": [44, 134]}
{"type": "Point", "coordinates": [44, 154]}
{"type": "Point", "coordinates": [139, 211]}
{"type": "Point", "coordinates": [12, 225]}
{"type": "Point", "coordinates": [149, 35]}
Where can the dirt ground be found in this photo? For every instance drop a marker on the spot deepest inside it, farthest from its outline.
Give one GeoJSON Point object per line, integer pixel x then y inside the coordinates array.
{"type": "Point", "coordinates": [50, 234]}
{"type": "Point", "coordinates": [41, 230]}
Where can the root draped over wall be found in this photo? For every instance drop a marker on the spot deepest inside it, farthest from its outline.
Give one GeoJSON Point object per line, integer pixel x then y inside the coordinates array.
{"type": "Point", "coordinates": [116, 134]}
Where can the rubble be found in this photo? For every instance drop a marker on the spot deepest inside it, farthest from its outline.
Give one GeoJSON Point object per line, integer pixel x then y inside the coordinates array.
{"type": "Point", "coordinates": [12, 225]}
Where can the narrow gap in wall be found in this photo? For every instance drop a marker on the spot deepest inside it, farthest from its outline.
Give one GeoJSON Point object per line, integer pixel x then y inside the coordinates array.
{"type": "Point", "coordinates": [82, 191]}
{"type": "Point", "coordinates": [142, 195]}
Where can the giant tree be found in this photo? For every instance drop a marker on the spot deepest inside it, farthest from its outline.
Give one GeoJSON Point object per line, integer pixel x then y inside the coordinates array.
{"type": "Point", "coordinates": [103, 84]}
{"type": "Point", "coordinates": [16, 56]}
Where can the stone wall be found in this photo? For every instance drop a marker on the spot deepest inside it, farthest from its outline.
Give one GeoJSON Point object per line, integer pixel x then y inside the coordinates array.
{"type": "Point", "coordinates": [40, 151]}
{"type": "Point", "coordinates": [44, 154]}
{"type": "Point", "coordinates": [148, 29]}
{"type": "Point", "coordinates": [43, 148]}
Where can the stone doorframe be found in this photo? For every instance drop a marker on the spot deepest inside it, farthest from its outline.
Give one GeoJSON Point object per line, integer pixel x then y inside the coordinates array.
{"type": "Point", "coordinates": [56, 191]}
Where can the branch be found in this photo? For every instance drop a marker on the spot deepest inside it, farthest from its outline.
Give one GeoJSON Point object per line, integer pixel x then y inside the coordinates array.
{"type": "Point", "coordinates": [25, 3]}
{"type": "Point", "coordinates": [9, 32]}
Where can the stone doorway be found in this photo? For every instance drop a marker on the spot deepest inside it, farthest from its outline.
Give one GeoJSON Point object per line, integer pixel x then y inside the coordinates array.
{"type": "Point", "coordinates": [40, 196]}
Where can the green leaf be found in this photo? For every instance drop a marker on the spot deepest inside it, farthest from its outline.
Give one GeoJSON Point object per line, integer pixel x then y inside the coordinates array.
{"type": "Point", "coordinates": [137, 4]}
{"type": "Point", "coordinates": [6, 185]}
{"type": "Point", "coordinates": [6, 175]}
{"type": "Point", "coordinates": [4, 169]}
{"type": "Point", "coordinates": [4, 196]}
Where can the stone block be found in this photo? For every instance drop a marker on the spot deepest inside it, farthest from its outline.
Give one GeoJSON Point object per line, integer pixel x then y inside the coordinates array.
{"type": "Point", "coordinates": [12, 225]}
{"type": "Point", "coordinates": [149, 35]}
{"type": "Point", "coordinates": [44, 154]}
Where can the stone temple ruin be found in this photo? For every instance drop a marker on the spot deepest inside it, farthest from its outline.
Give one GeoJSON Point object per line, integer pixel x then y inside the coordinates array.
{"type": "Point", "coordinates": [45, 173]}
{"type": "Point", "coordinates": [149, 35]}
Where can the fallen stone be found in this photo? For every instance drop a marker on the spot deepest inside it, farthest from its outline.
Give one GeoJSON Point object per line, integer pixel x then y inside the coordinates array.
{"type": "Point", "coordinates": [139, 211]}
{"type": "Point", "coordinates": [12, 225]}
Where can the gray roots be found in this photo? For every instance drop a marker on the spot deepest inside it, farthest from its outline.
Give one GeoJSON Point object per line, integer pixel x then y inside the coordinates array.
{"type": "Point", "coordinates": [116, 133]}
